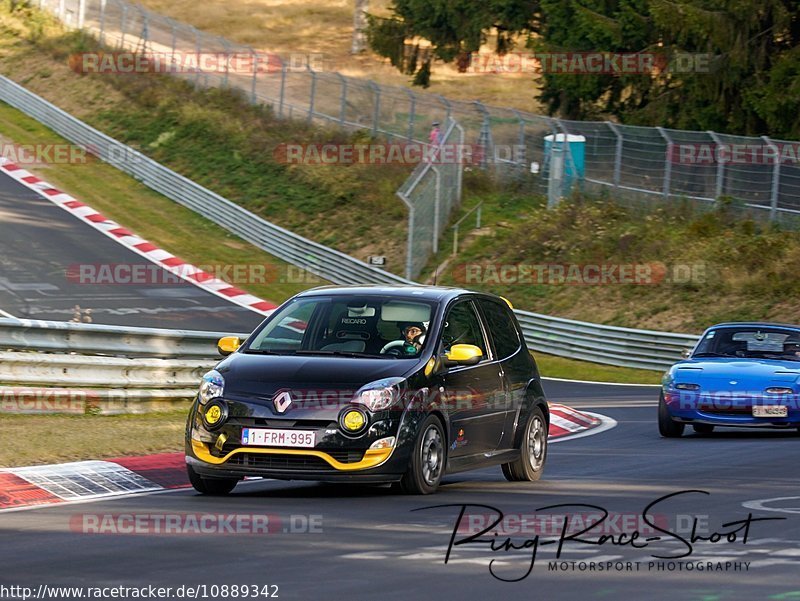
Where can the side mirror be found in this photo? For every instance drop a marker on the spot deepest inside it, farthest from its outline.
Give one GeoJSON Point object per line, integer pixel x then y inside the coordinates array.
{"type": "Point", "coordinates": [228, 345]}
{"type": "Point", "coordinates": [463, 354]}
{"type": "Point", "coordinates": [686, 353]}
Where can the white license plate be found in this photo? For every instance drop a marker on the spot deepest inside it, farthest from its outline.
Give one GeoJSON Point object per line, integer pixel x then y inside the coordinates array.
{"type": "Point", "coordinates": [264, 437]}
{"type": "Point", "coordinates": [770, 411]}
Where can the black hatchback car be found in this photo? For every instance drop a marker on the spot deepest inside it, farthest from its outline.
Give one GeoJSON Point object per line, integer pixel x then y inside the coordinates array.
{"type": "Point", "coordinates": [371, 384]}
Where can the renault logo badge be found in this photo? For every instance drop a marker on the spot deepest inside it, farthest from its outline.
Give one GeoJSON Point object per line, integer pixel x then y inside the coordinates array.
{"type": "Point", "coordinates": [282, 401]}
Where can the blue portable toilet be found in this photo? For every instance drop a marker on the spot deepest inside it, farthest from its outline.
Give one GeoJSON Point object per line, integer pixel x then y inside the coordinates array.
{"type": "Point", "coordinates": [576, 168]}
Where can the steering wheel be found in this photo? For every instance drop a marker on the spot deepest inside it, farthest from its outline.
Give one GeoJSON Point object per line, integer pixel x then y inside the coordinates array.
{"type": "Point", "coordinates": [395, 347]}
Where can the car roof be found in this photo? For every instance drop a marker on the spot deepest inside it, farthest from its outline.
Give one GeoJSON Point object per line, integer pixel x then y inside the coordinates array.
{"type": "Point", "coordinates": [755, 324]}
{"type": "Point", "coordinates": [430, 293]}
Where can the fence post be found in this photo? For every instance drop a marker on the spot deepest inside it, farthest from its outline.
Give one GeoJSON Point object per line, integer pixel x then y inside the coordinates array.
{"type": "Point", "coordinates": [667, 161]}
{"type": "Point", "coordinates": [776, 178]}
{"type": "Point", "coordinates": [412, 114]}
{"type": "Point", "coordinates": [376, 114]}
{"type": "Point", "coordinates": [460, 171]}
{"type": "Point", "coordinates": [102, 22]}
{"type": "Point", "coordinates": [313, 92]}
{"type": "Point", "coordinates": [720, 177]}
{"type": "Point", "coordinates": [198, 49]}
{"type": "Point", "coordinates": [123, 24]}
{"type": "Point", "coordinates": [437, 208]}
{"type": "Point", "coordinates": [81, 13]}
{"type": "Point", "coordinates": [555, 182]}
{"type": "Point", "coordinates": [283, 89]}
{"type": "Point", "coordinates": [618, 153]}
{"type": "Point", "coordinates": [227, 60]}
{"type": "Point", "coordinates": [522, 146]}
{"type": "Point", "coordinates": [485, 137]}
{"type": "Point", "coordinates": [343, 102]}
{"type": "Point", "coordinates": [410, 239]}
{"type": "Point", "coordinates": [447, 107]}
{"type": "Point", "coordinates": [254, 83]}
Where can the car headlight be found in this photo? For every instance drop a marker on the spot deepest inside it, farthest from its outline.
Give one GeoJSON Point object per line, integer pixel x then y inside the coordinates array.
{"type": "Point", "coordinates": [686, 386]}
{"type": "Point", "coordinates": [212, 386]}
{"type": "Point", "coordinates": [379, 395]}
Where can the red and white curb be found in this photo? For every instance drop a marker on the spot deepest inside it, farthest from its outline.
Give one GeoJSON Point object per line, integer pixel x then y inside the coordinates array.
{"type": "Point", "coordinates": [567, 423]}
{"type": "Point", "coordinates": [131, 241]}
{"type": "Point", "coordinates": [84, 481]}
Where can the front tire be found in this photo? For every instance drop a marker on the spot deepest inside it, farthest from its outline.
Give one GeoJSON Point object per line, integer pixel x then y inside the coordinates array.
{"type": "Point", "coordinates": [210, 486]}
{"type": "Point", "coordinates": [426, 468]}
{"type": "Point", "coordinates": [532, 451]}
{"type": "Point", "coordinates": [667, 427]}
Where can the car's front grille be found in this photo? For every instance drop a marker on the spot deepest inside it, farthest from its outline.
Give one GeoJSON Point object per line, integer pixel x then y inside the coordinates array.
{"type": "Point", "coordinates": [732, 411]}
{"type": "Point", "coordinates": [277, 461]}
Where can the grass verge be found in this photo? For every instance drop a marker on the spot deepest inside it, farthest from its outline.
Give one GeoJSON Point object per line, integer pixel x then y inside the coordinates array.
{"type": "Point", "coordinates": [39, 439]}
{"type": "Point", "coordinates": [570, 369]}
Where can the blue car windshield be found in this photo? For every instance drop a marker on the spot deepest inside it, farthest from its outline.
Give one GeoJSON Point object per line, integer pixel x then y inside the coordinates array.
{"type": "Point", "coordinates": [367, 327]}
{"type": "Point", "coordinates": [751, 342]}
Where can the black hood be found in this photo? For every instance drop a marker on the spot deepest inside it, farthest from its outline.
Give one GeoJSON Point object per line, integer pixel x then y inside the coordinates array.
{"type": "Point", "coordinates": [259, 377]}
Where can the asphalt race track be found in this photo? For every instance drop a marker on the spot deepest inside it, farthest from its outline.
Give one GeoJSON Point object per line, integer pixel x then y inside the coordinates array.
{"type": "Point", "coordinates": [368, 543]}
{"type": "Point", "coordinates": [41, 243]}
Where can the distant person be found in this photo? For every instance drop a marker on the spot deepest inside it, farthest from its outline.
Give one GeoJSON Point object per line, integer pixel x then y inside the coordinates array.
{"type": "Point", "coordinates": [435, 137]}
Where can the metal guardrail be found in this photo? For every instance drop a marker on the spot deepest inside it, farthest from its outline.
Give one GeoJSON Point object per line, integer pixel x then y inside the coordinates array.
{"type": "Point", "coordinates": [562, 337]}
{"type": "Point", "coordinates": [96, 339]}
{"type": "Point", "coordinates": [623, 347]}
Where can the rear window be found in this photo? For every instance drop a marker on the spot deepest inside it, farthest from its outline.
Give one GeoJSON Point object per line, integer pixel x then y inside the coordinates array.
{"type": "Point", "coordinates": [502, 328]}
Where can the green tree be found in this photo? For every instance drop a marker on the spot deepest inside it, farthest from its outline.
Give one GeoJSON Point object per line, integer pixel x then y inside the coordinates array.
{"type": "Point", "coordinates": [455, 29]}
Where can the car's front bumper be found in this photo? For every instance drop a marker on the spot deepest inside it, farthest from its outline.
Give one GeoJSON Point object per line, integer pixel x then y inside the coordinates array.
{"type": "Point", "coordinates": [733, 411]}
{"type": "Point", "coordinates": [335, 457]}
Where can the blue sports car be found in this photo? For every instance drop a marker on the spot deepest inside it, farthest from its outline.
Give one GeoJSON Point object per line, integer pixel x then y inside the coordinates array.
{"type": "Point", "coordinates": [738, 374]}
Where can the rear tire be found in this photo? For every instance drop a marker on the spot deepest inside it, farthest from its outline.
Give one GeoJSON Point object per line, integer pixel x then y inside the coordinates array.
{"type": "Point", "coordinates": [667, 427]}
{"type": "Point", "coordinates": [703, 428]}
{"type": "Point", "coordinates": [211, 486]}
{"type": "Point", "coordinates": [428, 460]}
{"type": "Point", "coordinates": [532, 451]}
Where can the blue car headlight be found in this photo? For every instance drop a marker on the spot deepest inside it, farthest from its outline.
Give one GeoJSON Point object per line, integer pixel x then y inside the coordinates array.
{"type": "Point", "coordinates": [687, 386]}
{"type": "Point", "coordinates": [213, 385]}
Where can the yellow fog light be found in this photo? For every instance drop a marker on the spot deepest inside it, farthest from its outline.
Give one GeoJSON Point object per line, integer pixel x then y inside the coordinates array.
{"type": "Point", "coordinates": [215, 414]}
{"type": "Point", "coordinates": [352, 420]}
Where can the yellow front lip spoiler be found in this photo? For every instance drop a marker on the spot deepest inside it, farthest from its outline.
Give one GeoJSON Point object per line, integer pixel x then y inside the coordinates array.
{"type": "Point", "coordinates": [372, 458]}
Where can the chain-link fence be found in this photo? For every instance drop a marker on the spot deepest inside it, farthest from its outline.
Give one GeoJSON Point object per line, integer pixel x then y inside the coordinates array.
{"type": "Point", "coordinates": [431, 194]}
{"type": "Point", "coordinates": [633, 163]}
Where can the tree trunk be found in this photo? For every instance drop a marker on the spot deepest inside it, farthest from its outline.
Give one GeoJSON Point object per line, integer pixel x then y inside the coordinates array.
{"type": "Point", "coordinates": [359, 27]}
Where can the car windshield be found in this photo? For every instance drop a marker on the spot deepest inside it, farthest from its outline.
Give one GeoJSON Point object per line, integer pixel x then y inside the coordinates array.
{"type": "Point", "coordinates": [751, 342]}
{"type": "Point", "coordinates": [350, 326]}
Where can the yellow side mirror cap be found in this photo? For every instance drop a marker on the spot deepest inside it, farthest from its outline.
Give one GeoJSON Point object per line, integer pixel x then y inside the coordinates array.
{"type": "Point", "coordinates": [464, 354]}
{"type": "Point", "coordinates": [228, 345]}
